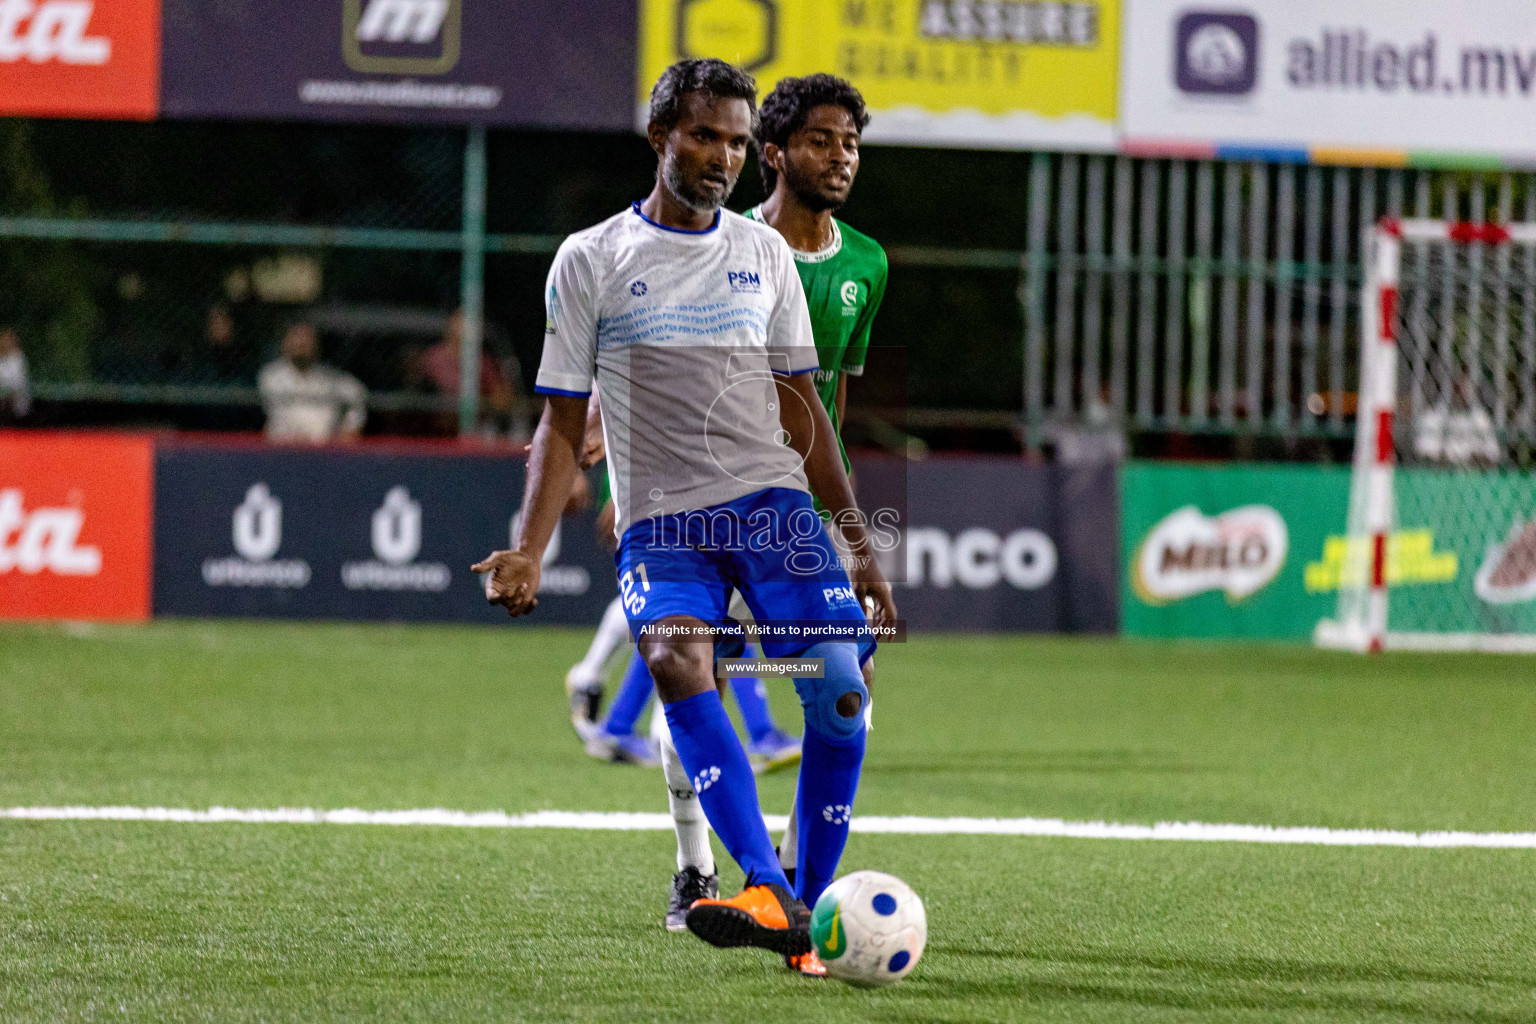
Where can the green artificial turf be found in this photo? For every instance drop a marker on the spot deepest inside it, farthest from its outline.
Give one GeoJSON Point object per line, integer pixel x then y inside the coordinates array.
{"type": "Point", "coordinates": [148, 922]}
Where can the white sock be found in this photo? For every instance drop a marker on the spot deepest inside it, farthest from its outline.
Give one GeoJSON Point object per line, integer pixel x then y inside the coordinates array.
{"type": "Point", "coordinates": [611, 632]}
{"type": "Point", "coordinates": [789, 845]}
{"type": "Point", "coordinates": [688, 820]}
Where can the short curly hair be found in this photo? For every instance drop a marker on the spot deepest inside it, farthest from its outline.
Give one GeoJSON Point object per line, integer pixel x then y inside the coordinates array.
{"type": "Point", "coordinates": [706, 75]}
{"type": "Point", "coordinates": [791, 102]}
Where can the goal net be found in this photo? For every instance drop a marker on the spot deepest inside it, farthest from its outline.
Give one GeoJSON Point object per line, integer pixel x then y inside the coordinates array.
{"type": "Point", "coordinates": [1440, 551]}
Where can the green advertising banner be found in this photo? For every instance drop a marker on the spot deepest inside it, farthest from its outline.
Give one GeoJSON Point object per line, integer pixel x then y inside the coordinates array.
{"type": "Point", "coordinates": [1464, 557]}
{"type": "Point", "coordinates": [1230, 550]}
{"type": "Point", "coordinates": [1259, 551]}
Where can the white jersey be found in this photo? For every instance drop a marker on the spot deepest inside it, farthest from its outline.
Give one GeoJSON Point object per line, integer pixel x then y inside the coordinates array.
{"type": "Point", "coordinates": [683, 331]}
{"type": "Point", "coordinates": [315, 404]}
{"type": "Point", "coordinates": [13, 384]}
{"type": "Point", "coordinates": [1460, 436]}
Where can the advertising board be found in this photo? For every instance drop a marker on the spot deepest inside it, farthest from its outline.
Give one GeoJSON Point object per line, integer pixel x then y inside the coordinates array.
{"type": "Point", "coordinates": [495, 62]}
{"type": "Point", "coordinates": [995, 544]}
{"type": "Point", "coordinates": [974, 73]}
{"type": "Point", "coordinates": [79, 58]}
{"type": "Point", "coordinates": [294, 533]}
{"type": "Point", "coordinates": [74, 526]}
{"type": "Point", "coordinates": [1374, 81]}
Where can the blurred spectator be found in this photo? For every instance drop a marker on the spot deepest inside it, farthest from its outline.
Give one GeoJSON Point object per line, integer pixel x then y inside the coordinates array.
{"type": "Point", "coordinates": [1095, 437]}
{"type": "Point", "coordinates": [221, 359]}
{"type": "Point", "coordinates": [15, 394]}
{"type": "Point", "coordinates": [437, 367]}
{"type": "Point", "coordinates": [307, 400]}
{"type": "Point", "coordinates": [1459, 431]}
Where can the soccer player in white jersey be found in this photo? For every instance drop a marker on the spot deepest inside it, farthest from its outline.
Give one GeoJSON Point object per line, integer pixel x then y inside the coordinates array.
{"type": "Point", "coordinates": [694, 324]}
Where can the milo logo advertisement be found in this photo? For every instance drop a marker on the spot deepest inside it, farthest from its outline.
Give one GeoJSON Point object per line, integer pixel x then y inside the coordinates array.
{"type": "Point", "coordinates": [1223, 550]}
{"type": "Point", "coordinates": [1238, 553]}
{"type": "Point", "coordinates": [1261, 551]}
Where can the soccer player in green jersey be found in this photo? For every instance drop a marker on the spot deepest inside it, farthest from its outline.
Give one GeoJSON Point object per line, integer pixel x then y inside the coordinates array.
{"type": "Point", "coordinates": [808, 149]}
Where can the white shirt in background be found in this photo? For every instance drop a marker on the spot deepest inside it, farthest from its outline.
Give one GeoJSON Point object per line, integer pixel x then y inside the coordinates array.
{"type": "Point", "coordinates": [14, 391]}
{"type": "Point", "coordinates": [1459, 437]}
{"type": "Point", "coordinates": [316, 404]}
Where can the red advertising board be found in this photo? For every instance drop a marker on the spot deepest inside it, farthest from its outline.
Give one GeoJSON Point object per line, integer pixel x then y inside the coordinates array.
{"type": "Point", "coordinates": [80, 58]}
{"type": "Point", "coordinates": [76, 520]}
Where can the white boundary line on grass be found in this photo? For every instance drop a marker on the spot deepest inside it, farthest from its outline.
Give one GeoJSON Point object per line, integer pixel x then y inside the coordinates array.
{"type": "Point", "coordinates": [1187, 831]}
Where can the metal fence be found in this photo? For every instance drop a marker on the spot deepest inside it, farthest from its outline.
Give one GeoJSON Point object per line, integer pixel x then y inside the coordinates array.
{"type": "Point", "coordinates": [1163, 296]}
{"type": "Point", "coordinates": [138, 345]}
{"type": "Point", "coordinates": [1186, 296]}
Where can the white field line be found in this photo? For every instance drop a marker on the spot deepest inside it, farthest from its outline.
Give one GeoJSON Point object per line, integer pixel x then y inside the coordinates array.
{"type": "Point", "coordinates": [1186, 831]}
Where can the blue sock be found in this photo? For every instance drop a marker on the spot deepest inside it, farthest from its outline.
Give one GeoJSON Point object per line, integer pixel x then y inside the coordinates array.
{"type": "Point", "coordinates": [752, 699]}
{"type": "Point", "coordinates": [832, 752]}
{"type": "Point", "coordinates": [634, 694]}
{"type": "Point", "coordinates": [707, 745]}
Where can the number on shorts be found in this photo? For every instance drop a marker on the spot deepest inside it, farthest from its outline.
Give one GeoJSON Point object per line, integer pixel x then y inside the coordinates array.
{"type": "Point", "coordinates": [633, 601]}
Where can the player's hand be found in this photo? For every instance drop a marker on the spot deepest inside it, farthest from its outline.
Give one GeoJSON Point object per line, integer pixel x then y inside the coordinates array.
{"type": "Point", "coordinates": [593, 448]}
{"type": "Point", "coordinates": [513, 582]}
{"type": "Point", "coordinates": [871, 588]}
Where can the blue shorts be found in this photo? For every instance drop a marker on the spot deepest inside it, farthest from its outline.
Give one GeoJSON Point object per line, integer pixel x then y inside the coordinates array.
{"type": "Point", "coordinates": [771, 545]}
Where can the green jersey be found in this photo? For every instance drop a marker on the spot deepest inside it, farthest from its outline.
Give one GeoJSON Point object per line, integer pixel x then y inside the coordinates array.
{"type": "Point", "coordinates": [843, 284]}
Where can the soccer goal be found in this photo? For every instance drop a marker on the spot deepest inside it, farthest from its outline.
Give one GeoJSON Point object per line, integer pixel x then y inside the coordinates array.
{"type": "Point", "coordinates": [1440, 543]}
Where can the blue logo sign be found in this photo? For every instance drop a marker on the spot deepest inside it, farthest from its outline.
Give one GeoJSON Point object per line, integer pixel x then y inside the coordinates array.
{"type": "Point", "coordinates": [637, 289]}
{"type": "Point", "coordinates": [745, 281]}
{"type": "Point", "coordinates": [1216, 53]}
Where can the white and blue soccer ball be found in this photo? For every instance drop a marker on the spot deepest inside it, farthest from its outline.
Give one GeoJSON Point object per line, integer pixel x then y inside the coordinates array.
{"type": "Point", "coordinates": [869, 928]}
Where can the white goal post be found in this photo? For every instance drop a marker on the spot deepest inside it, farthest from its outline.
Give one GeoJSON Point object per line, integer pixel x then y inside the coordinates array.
{"type": "Point", "coordinates": [1440, 546]}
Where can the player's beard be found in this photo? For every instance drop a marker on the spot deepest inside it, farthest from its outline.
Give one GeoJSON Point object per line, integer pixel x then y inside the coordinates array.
{"type": "Point", "coordinates": [809, 192]}
{"type": "Point", "coordinates": [697, 196]}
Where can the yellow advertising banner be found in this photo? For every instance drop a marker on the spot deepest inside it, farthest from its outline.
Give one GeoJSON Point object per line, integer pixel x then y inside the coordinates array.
{"type": "Point", "coordinates": [973, 73]}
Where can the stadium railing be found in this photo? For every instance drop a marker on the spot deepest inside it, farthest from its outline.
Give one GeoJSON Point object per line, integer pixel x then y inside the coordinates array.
{"type": "Point", "coordinates": [1160, 296]}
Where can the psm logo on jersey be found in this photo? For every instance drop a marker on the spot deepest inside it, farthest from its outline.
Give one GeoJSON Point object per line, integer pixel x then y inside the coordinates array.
{"type": "Point", "coordinates": [835, 596]}
{"type": "Point", "coordinates": [745, 281]}
{"type": "Point", "coordinates": [637, 289]}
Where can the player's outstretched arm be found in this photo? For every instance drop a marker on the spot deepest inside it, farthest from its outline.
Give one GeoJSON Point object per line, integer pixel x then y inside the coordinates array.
{"type": "Point", "coordinates": [557, 446]}
{"type": "Point", "coordinates": [802, 415]}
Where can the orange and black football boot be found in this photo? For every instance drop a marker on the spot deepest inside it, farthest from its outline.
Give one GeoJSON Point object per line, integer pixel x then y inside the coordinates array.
{"type": "Point", "coordinates": [765, 916]}
{"type": "Point", "coordinates": [808, 964]}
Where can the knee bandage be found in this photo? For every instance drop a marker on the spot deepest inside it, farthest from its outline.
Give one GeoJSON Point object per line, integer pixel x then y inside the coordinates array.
{"type": "Point", "coordinates": [841, 678]}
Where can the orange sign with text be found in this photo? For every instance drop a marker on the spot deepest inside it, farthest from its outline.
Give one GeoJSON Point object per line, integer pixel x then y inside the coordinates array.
{"type": "Point", "coordinates": [80, 58]}
{"type": "Point", "coordinates": [75, 525]}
